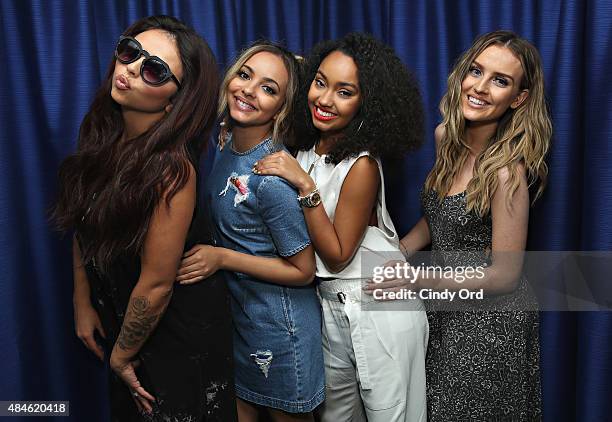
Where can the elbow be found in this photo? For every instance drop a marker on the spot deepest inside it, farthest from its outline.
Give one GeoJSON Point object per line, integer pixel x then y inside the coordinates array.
{"type": "Point", "coordinates": [306, 278]}
{"type": "Point", "coordinates": [503, 284]}
{"type": "Point", "coordinates": [335, 269]}
{"type": "Point", "coordinates": [337, 266]}
{"type": "Point", "coordinates": [338, 260]}
{"type": "Point", "coordinates": [160, 287]}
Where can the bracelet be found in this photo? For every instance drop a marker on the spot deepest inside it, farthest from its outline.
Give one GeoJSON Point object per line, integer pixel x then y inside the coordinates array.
{"type": "Point", "coordinates": [403, 250]}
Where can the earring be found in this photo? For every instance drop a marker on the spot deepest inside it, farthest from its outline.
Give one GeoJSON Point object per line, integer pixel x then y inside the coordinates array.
{"type": "Point", "coordinates": [224, 134]}
{"type": "Point", "coordinates": [359, 128]}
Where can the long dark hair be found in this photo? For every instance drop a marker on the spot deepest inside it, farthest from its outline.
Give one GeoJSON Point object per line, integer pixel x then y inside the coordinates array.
{"type": "Point", "coordinates": [390, 119]}
{"type": "Point", "coordinates": [107, 191]}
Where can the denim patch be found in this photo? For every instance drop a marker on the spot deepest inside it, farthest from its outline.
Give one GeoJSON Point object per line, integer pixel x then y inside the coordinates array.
{"type": "Point", "coordinates": [240, 185]}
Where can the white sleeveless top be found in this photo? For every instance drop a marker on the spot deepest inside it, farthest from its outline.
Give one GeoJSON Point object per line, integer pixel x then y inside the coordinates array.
{"type": "Point", "coordinates": [380, 244]}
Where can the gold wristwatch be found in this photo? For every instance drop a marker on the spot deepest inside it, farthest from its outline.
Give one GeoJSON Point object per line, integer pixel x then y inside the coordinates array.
{"type": "Point", "coordinates": [311, 200]}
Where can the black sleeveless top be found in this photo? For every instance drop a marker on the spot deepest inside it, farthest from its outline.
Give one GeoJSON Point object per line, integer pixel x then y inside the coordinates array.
{"type": "Point", "coordinates": [186, 362]}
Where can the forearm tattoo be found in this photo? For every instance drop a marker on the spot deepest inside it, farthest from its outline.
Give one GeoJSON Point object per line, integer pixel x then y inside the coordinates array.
{"type": "Point", "coordinates": [138, 324]}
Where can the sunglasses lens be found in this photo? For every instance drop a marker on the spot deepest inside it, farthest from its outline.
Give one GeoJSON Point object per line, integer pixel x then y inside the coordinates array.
{"type": "Point", "coordinates": [127, 51]}
{"type": "Point", "coordinates": [153, 71]}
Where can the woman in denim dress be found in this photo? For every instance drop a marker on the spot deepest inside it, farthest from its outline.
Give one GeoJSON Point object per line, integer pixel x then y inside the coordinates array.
{"type": "Point", "coordinates": [263, 243]}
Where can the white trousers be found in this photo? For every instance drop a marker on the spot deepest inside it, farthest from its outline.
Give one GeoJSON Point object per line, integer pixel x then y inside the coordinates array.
{"type": "Point", "coordinates": [374, 356]}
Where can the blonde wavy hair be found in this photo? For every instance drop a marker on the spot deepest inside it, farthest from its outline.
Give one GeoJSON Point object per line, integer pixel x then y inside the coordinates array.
{"type": "Point", "coordinates": [522, 135]}
{"type": "Point", "coordinates": [283, 125]}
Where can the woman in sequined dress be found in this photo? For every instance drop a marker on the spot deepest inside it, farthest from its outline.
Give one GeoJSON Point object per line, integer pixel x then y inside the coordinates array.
{"type": "Point", "coordinates": [483, 356]}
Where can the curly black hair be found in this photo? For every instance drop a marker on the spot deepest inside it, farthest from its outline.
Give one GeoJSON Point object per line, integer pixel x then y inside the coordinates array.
{"type": "Point", "coordinates": [389, 122]}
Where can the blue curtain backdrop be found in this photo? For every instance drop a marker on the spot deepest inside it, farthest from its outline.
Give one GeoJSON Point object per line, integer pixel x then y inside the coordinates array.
{"type": "Point", "coordinates": [53, 55]}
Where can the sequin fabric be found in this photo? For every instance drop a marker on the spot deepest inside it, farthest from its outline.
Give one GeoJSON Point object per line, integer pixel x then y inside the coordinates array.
{"type": "Point", "coordinates": [482, 365]}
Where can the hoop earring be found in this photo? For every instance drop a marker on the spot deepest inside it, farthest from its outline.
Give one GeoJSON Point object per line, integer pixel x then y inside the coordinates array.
{"type": "Point", "coordinates": [224, 134]}
{"type": "Point", "coordinates": [359, 128]}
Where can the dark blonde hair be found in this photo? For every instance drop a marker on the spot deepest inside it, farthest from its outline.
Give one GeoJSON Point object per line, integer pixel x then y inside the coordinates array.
{"type": "Point", "coordinates": [522, 136]}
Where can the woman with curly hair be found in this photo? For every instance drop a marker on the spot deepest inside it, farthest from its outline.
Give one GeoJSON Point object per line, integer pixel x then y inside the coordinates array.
{"type": "Point", "coordinates": [263, 244]}
{"type": "Point", "coordinates": [483, 356]}
{"type": "Point", "coordinates": [359, 104]}
{"type": "Point", "coordinates": [129, 193]}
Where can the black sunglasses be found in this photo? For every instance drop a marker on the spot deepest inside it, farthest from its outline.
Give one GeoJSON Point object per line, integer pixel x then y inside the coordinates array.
{"type": "Point", "coordinates": [153, 70]}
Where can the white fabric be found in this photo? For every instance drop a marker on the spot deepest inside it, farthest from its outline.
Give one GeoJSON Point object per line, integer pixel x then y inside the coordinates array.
{"type": "Point", "coordinates": [380, 244]}
{"type": "Point", "coordinates": [374, 358]}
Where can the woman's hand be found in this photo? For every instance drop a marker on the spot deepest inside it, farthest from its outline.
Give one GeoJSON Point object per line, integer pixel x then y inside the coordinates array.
{"type": "Point", "coordinates": [198, 263]}
{"type": "Point", "coordinates": [126, 370]}
{"type": "Point", "coordinates": [86, 322]}
{"type": "Point", "coordinates": [283, 164]}
{"type": "Point", "coordinates": [394, 281]}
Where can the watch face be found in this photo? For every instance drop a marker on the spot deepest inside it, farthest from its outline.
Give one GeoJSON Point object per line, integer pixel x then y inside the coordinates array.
{"type": "Point", "coordinates": [315, 199]}
{"type": "Point", "coordinates": [311, 200]}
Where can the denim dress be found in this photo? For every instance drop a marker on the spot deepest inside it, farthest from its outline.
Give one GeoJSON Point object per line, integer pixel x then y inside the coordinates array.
{"type": "Point", "coordinates": [277, 329]}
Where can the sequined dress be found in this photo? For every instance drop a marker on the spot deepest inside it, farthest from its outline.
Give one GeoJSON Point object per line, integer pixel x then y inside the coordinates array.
{"type": "Point", "coordinates": [483, 359]}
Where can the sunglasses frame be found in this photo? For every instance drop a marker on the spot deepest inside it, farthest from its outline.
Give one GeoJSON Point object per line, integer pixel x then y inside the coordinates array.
{"type": "Point", "coordinates": [142, 52]}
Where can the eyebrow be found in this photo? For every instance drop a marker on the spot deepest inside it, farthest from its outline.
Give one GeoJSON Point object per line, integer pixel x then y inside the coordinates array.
{"type": "Point", "coordinates": [340, 83]}
{"type": "Point", "coordinates": [265, 79]}
{"type": "Point", "coordinates": [497, 73]}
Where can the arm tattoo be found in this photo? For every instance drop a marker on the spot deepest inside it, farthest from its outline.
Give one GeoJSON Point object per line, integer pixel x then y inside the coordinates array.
{"type": "Point", "coordinates": [138, 324]}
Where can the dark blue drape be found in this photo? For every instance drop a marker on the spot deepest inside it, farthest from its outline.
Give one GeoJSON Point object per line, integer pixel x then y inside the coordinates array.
{"type": "Point", "coordinates": [53, 55]}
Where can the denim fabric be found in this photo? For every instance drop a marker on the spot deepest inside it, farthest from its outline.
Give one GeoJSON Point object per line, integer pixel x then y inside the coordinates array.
{"type": "Point", "coordinates": [258, 215]}
{"type": "Point", "coordinates": [277, 329]}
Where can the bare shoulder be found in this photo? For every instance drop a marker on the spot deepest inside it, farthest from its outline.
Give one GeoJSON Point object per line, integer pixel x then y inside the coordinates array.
{"type": "Point", "coordinates": [439, 134]}
{"type": "Point", "coordinates": [503, 174]}
{"type": "Point", "coordinates": [363, 177]}
{"type": "Point", "coordinates": [186, 194]}
{"type": "Point", "coordinates": [365, 164]}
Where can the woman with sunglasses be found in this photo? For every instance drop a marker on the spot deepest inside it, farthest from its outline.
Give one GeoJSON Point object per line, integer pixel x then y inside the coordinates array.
{"type": "Point", "coordinates": [359, 103]}
{"type": "Point", "coordinates": [263, 244]}
{"type": "Point", "coordinates": [129, 193]}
